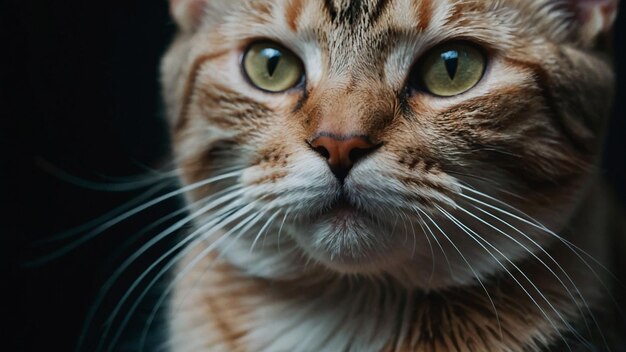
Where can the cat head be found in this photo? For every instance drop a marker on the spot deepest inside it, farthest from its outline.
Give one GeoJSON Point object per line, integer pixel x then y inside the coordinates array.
{"type": "Point", "coordinates": [412, 138]}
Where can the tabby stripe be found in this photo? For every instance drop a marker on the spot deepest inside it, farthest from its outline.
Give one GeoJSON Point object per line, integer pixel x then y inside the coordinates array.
{"type": "Point", "coordinates": [380, 8]}
{"type": "Point", "coordinates": [424, 14]}
{"type": "Point", "coordinates": [225, 306]}
{"type": "Point", "coordinates": [353, 13]}
{"type": "Point", "coordinates": [228, 333]}
{"type": "Point", "coordinates": [542, 79]}
{"type": "Point", "coordinates": [189, 87]}
{"type": "Point", "coordinates": [330, 8]}
{"type": "Point", "coordinates": [293, 12]}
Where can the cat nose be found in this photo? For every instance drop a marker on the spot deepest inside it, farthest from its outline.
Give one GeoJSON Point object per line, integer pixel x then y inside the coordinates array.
{"type": "Point", "coordinates": [342, 152]}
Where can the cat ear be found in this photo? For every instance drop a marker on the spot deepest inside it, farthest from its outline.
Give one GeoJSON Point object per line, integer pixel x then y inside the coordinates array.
{"type": "Point", "coordinates": [595, 17]}
{"type": "Point", "coordinates": [188, 14]}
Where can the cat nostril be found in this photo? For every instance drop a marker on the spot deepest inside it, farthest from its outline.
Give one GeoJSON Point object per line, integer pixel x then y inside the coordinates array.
{"type": "Point", "coordinates": [323, 152]}
{"type": "Point", "coordinates": [342, 153]}
{"type": "Point", "coordinates": [358, 153]}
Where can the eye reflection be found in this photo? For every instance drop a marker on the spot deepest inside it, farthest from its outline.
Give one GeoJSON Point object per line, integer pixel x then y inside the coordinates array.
{"type": "Point", "coordinates": [272, 68]}
{"type": "Point", "coordinates": [451, 69]}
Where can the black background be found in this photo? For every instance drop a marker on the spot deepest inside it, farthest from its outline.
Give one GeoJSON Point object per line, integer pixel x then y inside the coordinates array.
{"type": "Point", "coordinates": [79, 88]}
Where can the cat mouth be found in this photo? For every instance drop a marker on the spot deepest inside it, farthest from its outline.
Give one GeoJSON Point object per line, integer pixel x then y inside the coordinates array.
{"type": "Point", "coordinates": [347, 238]}
{"type": "Point", "coordinates": [343, 210]}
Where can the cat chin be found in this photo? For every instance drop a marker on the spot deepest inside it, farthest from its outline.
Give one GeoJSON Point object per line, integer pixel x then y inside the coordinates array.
{"type": "Point", "coordinates": [350, 242]}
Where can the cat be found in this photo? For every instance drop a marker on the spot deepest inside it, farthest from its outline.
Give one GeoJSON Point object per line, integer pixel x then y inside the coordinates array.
{"type": "Point", "coordinates": [392, 175]}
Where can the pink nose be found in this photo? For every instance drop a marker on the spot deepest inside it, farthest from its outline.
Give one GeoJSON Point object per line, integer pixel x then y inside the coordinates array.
{"type": "Point", "coordinates": [342, 152]}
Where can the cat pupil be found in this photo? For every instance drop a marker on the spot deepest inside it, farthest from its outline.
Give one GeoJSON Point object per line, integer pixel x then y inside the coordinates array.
{"type": "Point", "coordinates": [273, 59]}
{"type": "Point", "coordinates": [451, 60]}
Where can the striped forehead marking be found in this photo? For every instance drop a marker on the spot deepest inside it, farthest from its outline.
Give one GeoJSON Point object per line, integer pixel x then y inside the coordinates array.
{"type": "Point", "coordinates": [351, 12]}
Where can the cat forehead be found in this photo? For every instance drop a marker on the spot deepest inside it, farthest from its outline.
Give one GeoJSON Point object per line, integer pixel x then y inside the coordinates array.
{"type": "Point", "coordinates": [358, 15]}
{"type": "Point", "coordinates": [349, 21]}
{"type": "Point", "coordinates": [350, 26]}
{"type": "Point", "coordinates": [352, 18]}
{"type": "Point", "coordinates": [365, 36]}
{"type": "Point", "coordinates": [361, 16]}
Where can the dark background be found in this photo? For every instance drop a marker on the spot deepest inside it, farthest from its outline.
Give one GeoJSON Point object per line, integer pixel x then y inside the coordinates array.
{"type": "Point", "coordinates": [79, 88]}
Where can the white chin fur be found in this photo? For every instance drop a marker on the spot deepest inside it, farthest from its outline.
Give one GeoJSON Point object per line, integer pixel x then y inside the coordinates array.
{"type": "Point", "coordinates": [350, 243]}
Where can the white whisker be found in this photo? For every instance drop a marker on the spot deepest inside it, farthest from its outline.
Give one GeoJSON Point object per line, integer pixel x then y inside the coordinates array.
{"type": "Point", "coordinates": [445, 256]}
{"type": "Point", "coordinates": [478, 239]}
{"type": "Point", "coordinates": [161, 236]}
{"type": "Point", "coordinates": [571, 246]}
{"type": "Point", "coordinates": [107, 225]}
{"type": "Point", "coordinates": [263, 229]}
{"type": "Point", "coordinates": [115, 184]}
{"type": "Point", "coordinates": [188, 243]}
{"type": "Point", "coordinates": [586, 305]}
{"type": "Point", "coordinates": [430, 246]}
{"type": "Point", "coordinates": [532, 222]}
{"type": "Point", "coordinates": [280, 230]}
{"type": "Point", "coordinates": [101, 219]}
{"type": "Point", "coordinates": [242, 227]}
{"type": "Point", "coordinates": [493, 305]}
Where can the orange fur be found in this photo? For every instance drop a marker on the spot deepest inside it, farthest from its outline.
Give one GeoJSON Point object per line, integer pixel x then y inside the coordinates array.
{"type": "Point", "coordinates": [528, 134]}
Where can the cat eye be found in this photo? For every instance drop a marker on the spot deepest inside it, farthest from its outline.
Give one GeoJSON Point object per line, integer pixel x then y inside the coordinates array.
{"type": "Point", "coordinates": [451, 69]}
{"type": "Point", "coordinates": [272, 68]}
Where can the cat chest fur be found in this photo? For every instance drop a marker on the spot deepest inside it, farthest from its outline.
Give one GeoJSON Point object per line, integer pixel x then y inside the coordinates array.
{"type": "Point", "coordinates": [221, 309]}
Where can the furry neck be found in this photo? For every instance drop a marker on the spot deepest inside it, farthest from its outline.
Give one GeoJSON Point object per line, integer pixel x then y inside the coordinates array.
{"type": "Point", "coordinates": [508, 313]}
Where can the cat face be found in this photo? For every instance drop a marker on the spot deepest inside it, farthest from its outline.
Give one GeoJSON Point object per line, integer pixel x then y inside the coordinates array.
{"type": "Point", "coordinates": [424, 140]}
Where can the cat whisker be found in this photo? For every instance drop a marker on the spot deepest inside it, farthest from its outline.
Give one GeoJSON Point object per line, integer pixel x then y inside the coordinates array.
{"type": "Point", "coordinates": [214, 201]}
{"type": "Point", "coordinates": [473, 177]}
{"type": "Point", "coordinates": [406, 219]}
{"type": "Point", "coordinates": [493, 305]}
{"type": "Point", "coordinates": [115, 184]}
{"type": "Point", "coordinates": [263, 229]}
{"type": "Point", "coordinates": [577, 251]}
{"type": "Point", "coordinates": [103, 218]}
{"type": "Point", "coordinates": [445, 256]}
{"type": "Point", "coordinates": [491, 184]}
{"type": "Point", "coordinates": [393, 229]}
{"type": "Point", "coordinates": [479, 240]}
{"type": "Point", "coordinates": [128, 214]}
{"type": "Point", "coordinates": [78, 230]}
{"type": "Point", "coordinates": [258, 216]}
{"type": "Point", "coordinates": [406, 233]}
{"type": "Point", "coordinates": [280, 230]}
{"type": "Point", "coordinates": [266, 232]}
{"type": "Point", "coordinates": [430, 245]}
{"type": "Point", "coordinates": [243, 227]}
{"type": "Point", "coordinates": [108, 285]}
{"type": "Point", "coordinates": [225, 216]}
{"type": "Point", "coordinates": [534, 223]}
{"type": "Point", "coordinates": [551, 258]}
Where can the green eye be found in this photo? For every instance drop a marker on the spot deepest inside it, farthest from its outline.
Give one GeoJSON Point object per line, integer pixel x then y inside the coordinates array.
{"type": "Point", "coordinates": [452, 69]}
{"type": "Point", "coordinates": [272, 68]}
